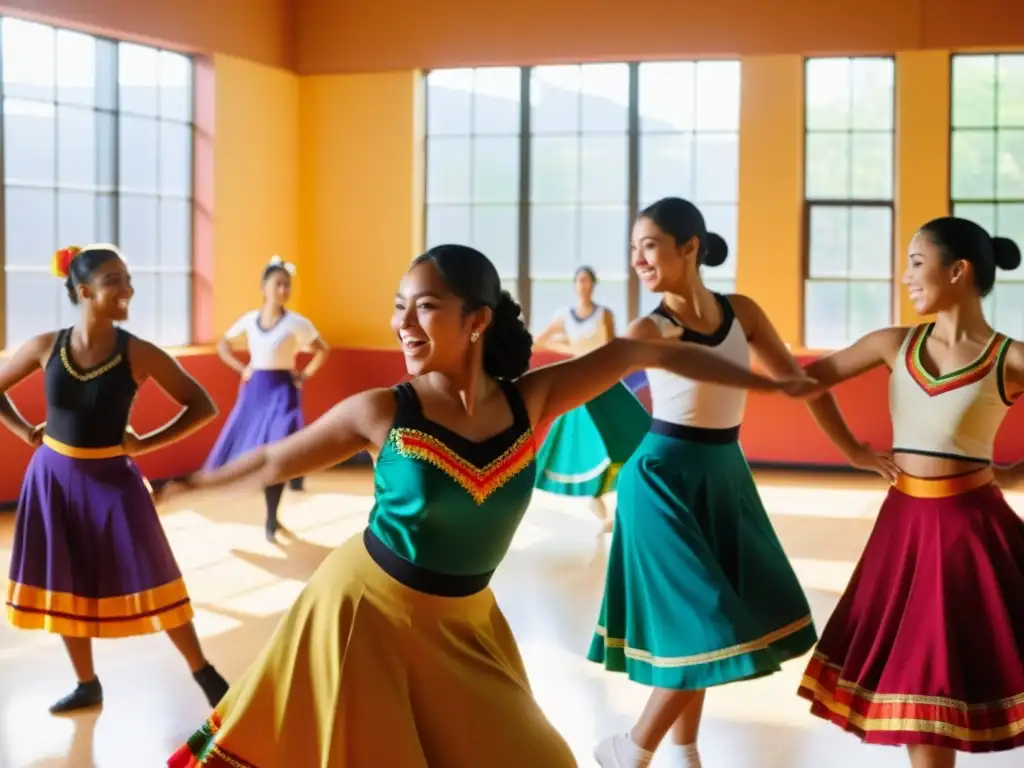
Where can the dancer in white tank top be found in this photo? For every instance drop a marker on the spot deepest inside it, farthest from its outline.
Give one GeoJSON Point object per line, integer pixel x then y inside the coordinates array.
{"type": "Point", "coordinates": [698, 592]}
{"type": "Point", "coordinates": [269, 405]}
{"type": "Point", "coordinates": [924, 648]}
{"type": "Point", "coordinates": [585, 448]}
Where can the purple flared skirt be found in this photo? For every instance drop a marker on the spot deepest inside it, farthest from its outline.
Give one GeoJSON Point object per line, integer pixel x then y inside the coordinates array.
{"type": "Point", "coordinates": [90, 557]}
{"type": "Point", "coordinates": [268, 409]}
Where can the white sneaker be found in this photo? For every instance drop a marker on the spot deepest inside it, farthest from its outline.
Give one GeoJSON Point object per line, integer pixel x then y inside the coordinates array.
{"type": "Point", "coordinates": [619, 751]}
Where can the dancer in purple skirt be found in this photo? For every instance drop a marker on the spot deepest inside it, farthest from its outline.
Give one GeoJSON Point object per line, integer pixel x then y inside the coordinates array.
{"type": "Point", "coordinates": [269, 407]}
{"type": "Point", "coordinates": [90, 558]}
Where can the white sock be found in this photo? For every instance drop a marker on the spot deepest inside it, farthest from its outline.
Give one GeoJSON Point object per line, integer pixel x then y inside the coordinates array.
{"type": "Point", "coordinates": [628, 753]}
{"type": "Point", "coordinates": [683, 755]}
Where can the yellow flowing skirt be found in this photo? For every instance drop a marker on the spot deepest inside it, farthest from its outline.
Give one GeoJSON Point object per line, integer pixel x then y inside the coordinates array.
{"type": "Point", "coordinates": [363, 671]}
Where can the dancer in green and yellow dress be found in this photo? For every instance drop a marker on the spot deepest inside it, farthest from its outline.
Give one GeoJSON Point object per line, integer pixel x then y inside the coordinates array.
{"type": "Point", "coordinates": [396, 654]}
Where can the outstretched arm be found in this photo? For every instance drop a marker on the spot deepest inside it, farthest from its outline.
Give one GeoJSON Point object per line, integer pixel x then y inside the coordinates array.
{"type": "Point", "coordinates": [149, 361]}
{"type": "Point", "coordinates": [28, 357]}
{"type": "Point", "coordinates": [358, 423]}
{"type": "Point", "coordinates": [554, 389]}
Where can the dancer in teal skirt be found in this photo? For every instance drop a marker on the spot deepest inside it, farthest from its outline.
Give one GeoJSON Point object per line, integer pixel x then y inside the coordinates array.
{"type": "Point", "coordinates": [586, 447]}
{"type": "Point", "coordinates": [698, 591]}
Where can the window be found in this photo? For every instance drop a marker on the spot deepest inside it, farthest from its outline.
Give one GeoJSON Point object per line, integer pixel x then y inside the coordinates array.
{"type": "Point", "coordinates": [848, 191]}
{"type": "Point", "coordinates": [689, 147]}
{"type": "Point", "coordinates": [553, 186]}
{"type": "Point", "coordinates": [97, 140]}
{"type": "Point", "coordinates": [473, 129]}
{"type": "Point", "coordinates": [987, 165]}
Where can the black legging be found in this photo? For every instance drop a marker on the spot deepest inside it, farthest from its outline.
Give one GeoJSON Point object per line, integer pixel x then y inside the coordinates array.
{"type": "Point", "coordinates": [272, 495]}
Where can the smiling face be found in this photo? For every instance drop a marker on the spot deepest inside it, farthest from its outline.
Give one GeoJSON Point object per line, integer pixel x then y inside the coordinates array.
{"type": "Point", "coordinates": [277, 288]}
{"type": "Point", "coordinates": [660, 262]}
{"type": "Point", "coordinates": [431, 324]}
{"type": "Point", "coordinates": [109, 292]}
{"type": "Point", "coordinates": [932, 285]}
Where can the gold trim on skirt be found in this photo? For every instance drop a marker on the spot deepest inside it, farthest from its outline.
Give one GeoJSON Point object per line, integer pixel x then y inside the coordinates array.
{"type": "Point", "coordinates": [943, 487]}
{"type": "Point", "coordinates": [364, 671]}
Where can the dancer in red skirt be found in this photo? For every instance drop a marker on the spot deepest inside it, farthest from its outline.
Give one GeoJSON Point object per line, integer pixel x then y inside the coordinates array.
{"type": "Point", "coordinates": [924, 647]}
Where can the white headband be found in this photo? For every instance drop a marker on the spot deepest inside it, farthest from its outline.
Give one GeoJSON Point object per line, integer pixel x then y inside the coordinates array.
{"type": "Point", "coordinates": [277, 261]}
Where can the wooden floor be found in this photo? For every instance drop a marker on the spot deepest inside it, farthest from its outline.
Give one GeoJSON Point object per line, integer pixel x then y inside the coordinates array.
{"type": "Point", "coordinates": [550, 588]}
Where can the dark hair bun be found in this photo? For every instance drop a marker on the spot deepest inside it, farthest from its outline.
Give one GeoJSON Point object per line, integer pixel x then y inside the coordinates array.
{"type": "Point", "coordinates": [508, 345]}
{"type": "Point", "coordinates": [1006, 252]}
{"type": "Point", "coordinates": [717, 251]}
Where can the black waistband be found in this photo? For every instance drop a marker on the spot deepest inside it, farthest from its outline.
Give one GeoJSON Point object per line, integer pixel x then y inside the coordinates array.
{"type": "Point", "coordinates": [420, 579]}
{"type": "Point", "coordinates": [696, 434]}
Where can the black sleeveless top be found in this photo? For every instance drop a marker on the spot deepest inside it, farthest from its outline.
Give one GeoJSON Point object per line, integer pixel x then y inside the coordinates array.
{"type": "Point", "coordinates": [88, 408]}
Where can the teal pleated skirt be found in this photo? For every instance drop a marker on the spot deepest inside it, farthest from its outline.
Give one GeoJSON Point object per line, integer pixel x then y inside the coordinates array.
{"type": "Point", "coordinates": [586, 447]}
{"type": "Point", "coordinates": [698, 590]}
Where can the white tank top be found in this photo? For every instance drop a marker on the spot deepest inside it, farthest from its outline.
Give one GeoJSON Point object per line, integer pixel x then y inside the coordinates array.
{"type": "Point", "coordinates": [583, 334]}
{"type": "Point", "coordinates": [273, 348]}
{"type": "Point", "coordinates": [955, 416]}
{"type": "Point", "coordinates": [677, 400]}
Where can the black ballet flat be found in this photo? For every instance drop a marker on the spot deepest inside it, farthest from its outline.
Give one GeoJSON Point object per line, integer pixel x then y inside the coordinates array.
{"type": "Point", "coordinates": [85, 696]}
{"type": "Point", "coordinates": [214, 686]}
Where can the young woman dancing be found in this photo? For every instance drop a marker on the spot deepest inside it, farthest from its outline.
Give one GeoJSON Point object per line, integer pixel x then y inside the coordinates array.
{"type": "Point", "coordinates": [586, 447]}
{"type": "Point", "coordinates": [698, 590]}
{"type": "Point", "coordinates": [90, 558]}
{"type": "Point", "coordinates": [269, 405]}
{"type": "Point", "coordinates": [924, 647]}
{"type": "Point", "coordinates": [396, 654]}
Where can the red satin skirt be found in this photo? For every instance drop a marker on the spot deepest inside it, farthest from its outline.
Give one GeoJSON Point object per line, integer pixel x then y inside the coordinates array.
{"type": "Point", "coordinates": [926, 646]}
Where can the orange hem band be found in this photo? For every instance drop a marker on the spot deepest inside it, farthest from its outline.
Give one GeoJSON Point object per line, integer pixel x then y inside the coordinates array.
{"type": "Point", "coordinates": [121, 607]}
{"type": "Point", "coordinates": [72, 627]}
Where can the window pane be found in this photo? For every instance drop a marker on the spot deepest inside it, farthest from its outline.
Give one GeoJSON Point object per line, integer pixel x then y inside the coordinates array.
{"type": "Point", "coordinates": [175, 233]}
{"type": "Point", "coordinates": [76, 146]}
{"type": "Point", "coordinates": [605, 97]}
{"type": "Point", "coordinates": [29, 142]}
{"type": "Point", "coordinates": [555, 99]}
{"type": "Point", "coordinates": [667, 167]}
{"type": "Point", "coordinates": [873, 91]}
{"type": "Point", "coordinates": [448, 170]}
{"type": "Point", "coordinates": [648, 301]}
{"type": "Point", "coordinates": [1010, 178]}
{"type": "Point", "coordinates": [1008, 314]}
{"type": "Point", "coordinates": [604, 239]}
{"type": "Point", "coordinates": [829, 94]}
{"type": "Point", "coordinates": [1011, 92]}
{"type": "Point", "coordinates": [973, 164]}
{"type": "Point", "coordinates": [546, 298]}
{"type": "Point", "coordinates": [723, 220]}
{"type": "Point", "coordinates": [31, 227]}
{"type": "Point", "coordinates": [825, 314]}
{"type": "Point", "coordinates": [553, 240]}
{"type": "Point", "coordinates": [106, 218]}
{"type": "Point", "coordinates": [32, 305]}
{"type": "Point", "coordinates": [871, 167]}
{"type": "Point", "coordinates": [175, 159]}
{"type": "Point", "coordinates": [982, 214]}
{"type": "Point", "coordinates": [668, 96]}
{"type": "Point", "coordinates": [554, 169]}
{"type": "Point", "coordinates": [828, 166]}
{"type": "Point", "coordinates": [613, 294]}
{"type": "Point", "coordinates": [174, 322]}
{"type": "Point", "coordinates": [718, 167]}
{"type": "Point", "coordinates": [138, 230]}
{"type": "Point", "coordinates": [76, 218]}
{"type": "Point", "coordinates": [449, 96]}
{"type": "Point", "coordinates": [973, 91]}
{"type": "Point", "coordinates": [724, 286]}
{"type": "Point", "coordinates": [138, 146]}
{"type": "Point", "coordinates": [145, 307]}
{"type": "Point", "coordinates": [870, 308]}
{"type": "Point", "coordinates": [829, 242]}
{"type": "Point", "coordinates": [138, 79]}
{"type": "Point", "coordinates": [496, 100]}
{"type": "Point", "coordinates": [175, 86]}
{"type": "Point", "coordinates": [29, 59]}
{"type": "Point", "coordinates": [1009, 222]}
{"type": "Point", "coordinates": [871, 242]}
{"type": "Point", "coordinates": [76, 68]}
{"type": "Point", "coordinates": [448, 224]}
{"type": "Point", "coordinates": [718, 96]}
{"type": "Point", "coordinates": [496, 169]}
{"type": "Point", "coordinates": [106, 150]}
{"type": "Point", "coordinates": [496, 235]}
{"type": "Point", "coordinates": [604, 172]}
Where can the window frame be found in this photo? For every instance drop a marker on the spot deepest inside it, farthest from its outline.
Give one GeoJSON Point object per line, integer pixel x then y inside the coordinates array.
{"type": "Point", "coordinates": [116, 191]}
{"type": "Point", "coordinates": [810, 204]}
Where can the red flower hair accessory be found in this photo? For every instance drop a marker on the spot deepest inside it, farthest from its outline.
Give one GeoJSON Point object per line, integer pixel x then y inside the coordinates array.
{"type": "Point", "coordinates": [60, 265]}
